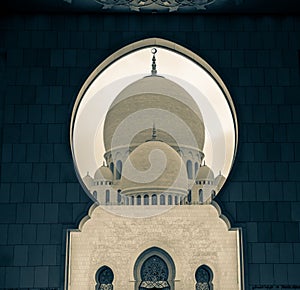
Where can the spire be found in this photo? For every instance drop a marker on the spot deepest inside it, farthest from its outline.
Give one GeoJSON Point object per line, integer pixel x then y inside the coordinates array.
{"type": "Point", "coordinates": [154, 132]}
{"type": "Point", "coordinates": [153, 71]}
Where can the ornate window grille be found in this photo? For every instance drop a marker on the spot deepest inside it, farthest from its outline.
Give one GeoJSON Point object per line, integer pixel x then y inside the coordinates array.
{"type": "Point", "coordinates": [204, 278]}
{"type": "Point", "coordinates": [154, 274]}
{"type": "Point", "coordinates": [104, 278]}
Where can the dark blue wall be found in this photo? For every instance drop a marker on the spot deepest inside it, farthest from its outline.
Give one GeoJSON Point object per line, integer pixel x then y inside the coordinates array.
{"type": "Point", "coordinates": [44, 60]}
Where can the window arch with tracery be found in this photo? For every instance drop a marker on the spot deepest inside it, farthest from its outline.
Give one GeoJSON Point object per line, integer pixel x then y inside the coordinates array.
{"type": "Point", "coordinates": [204, 277]}
{"type": "Point", "coordinates": [104, 278]}
{"type": "Point", "coordinates": [154, 274]}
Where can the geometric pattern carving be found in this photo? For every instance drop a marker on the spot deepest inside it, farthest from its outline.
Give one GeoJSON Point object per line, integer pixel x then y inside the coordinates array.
{"type": "Point", "coordinates": [154, 274]}
{"type": "Point", "coordinates": [105, 278]}
{"type": "Point", "coordinates": [158, 5]}
{"type": "Point", "coordinates": [203, 278]}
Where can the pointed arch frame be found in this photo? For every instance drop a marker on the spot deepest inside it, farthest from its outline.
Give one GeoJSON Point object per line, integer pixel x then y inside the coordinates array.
{"type": "Point", "coordinates": [149, 42]}
{"type": "Point", "coordinates": [154, 251]}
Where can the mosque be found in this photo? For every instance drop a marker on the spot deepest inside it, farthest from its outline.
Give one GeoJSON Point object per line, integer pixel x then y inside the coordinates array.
{"type": "Point", "coordinates": [171, 111]}
{"type": "Point", "coordinates": [159, 227]}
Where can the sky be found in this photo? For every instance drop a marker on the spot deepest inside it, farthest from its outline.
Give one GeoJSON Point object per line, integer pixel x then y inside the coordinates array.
{"type": "Point", "coordinates": [219, 147]}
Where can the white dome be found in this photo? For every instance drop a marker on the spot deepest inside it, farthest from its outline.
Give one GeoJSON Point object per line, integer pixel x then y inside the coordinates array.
{"type": "Point", "coordinates": [154, 166]}
{"type": "Point", "coordinates": [205, 173]}
{"type": "Point", "coordinates": [154, 99]}
{"type": "Point", "coordinates": [103, 173]}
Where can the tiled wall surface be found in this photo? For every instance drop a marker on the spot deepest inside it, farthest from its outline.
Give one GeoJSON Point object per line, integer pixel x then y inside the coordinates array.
{"type": "Point", "coordinates": [44, 60]}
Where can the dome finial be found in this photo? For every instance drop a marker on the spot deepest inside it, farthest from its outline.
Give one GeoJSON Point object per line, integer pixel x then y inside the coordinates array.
{"type": "Point", "coordinates": [154, 132]}
{"type": "Point", "coordinates": [153, 71]}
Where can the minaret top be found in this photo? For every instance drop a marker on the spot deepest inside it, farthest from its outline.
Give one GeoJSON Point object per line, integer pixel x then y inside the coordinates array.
{"type": "Point", "coordinates": [153, 71]}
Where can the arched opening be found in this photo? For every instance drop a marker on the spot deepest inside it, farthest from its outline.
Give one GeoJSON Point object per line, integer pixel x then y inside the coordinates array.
{"type": "Point", "coordinates": [154, 269]}
{"type": "Point", "coordinates": [213, 194]}
{"type": "Point", "coordinates": [138, 200]}
{"type": "Point", "coordinates": [189, 197]}
{"type": "Point", "coordinates": [162, 199]}
{"type": "Point", "coordinates": [176, 200]}
{"type": "Point", "coordinates": [169, 199]}
{"type": "Point", "coordinates": [146, 199]}
{"type": "Point", "coordinates": [107, 196]}
{"type": "Point", "coordinates": [112, 167]}
{"type": "Point", "coordinates": [95, 194]}
{"type": "Point", "coordinates": [154, 199]}
{"type": "Point", "coordinates": [104, 278]}
{"type": "Point", "coordinates": [216, 104]}
{"type": "Point", "coordinates": [204, 277]}
{"type": "Point", "coordinates": [200, 195]}
{"type": "Point", "coordinates": [119, 197]}
{"type": "Point", "coordinates": [196, 168]}
{"type": "Point", "coordinates": [189, 169]}
{"type": "Point", "coordinates": [119, 169]}
{"type": "Point", "coordinates": [154, 274]}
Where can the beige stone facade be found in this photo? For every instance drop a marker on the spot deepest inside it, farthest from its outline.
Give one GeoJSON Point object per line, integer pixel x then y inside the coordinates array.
{"type": "Point", "coordinates": [192, 235]}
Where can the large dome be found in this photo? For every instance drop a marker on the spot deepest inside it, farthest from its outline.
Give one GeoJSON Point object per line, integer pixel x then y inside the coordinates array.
{"type": "Point", "coordinates": [154, 166]}
{"type": "Point", "coordinates": [153, 99]}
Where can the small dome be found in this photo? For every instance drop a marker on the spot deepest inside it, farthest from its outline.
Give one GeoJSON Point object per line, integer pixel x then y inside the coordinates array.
{"type": "Point", "coordinates": [205, 173]}
{"type": "Point", "coordinates": [88, 180]}
{"type": "Point", "coordinates": [103, 173]}
{"type": "Point", "coordinates": [153, 99]}
{"type": "Point", "coordinates": [219, 181]}
{"type": "Point", "coordinates": [154, 166]}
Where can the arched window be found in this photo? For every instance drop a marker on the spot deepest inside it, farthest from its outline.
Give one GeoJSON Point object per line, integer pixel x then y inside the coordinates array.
{"type": "Point", "coordinates": [169, 199]}
{"type": "Point", "coordinates": [162, 199]}
{"type": "Point", "coordinates": [104, 278]}
{"type": "Point", "coordinates": [189, 197]}
{"type": "Point", "coordinates": [95, 194]}
{"type": "Point", "coordinates": [176, 199]}
{"type": "Point", "coordinates": [107, 196]}
{"type": "Point", "coordinates": [154, 269]}
{"type": "Point", "coordinates": [119, 198]}
{"type": "Point", "coordinates": [196, 168]}
{"type": "Point", "coordinates": [119, 169]}
{"type": "Point", "coordinates": [154, 199]}
{"type": "Point", "coordinates": [213, 194]}
{"type": "Point", "coordinates": [181, 201]}
{"type": "Point", "coordinates": [200, 195]}
{"type": "Point", "coordinates": [146, 199]}
{"type": "Point", "coordinates": [111, 167]}
{"type": "Point", "coordinates": [138, 200]}
{"type": "Point", "coordinates": [154, 274]}
{"type": "Point", "coordinates": [132, 200]}
{"type": "Point", "coordinates": [126, 200]}
{"type": "Point", "coordinates": [189, 169]}
{"type": "Point", "coordinates": [204, 278]}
